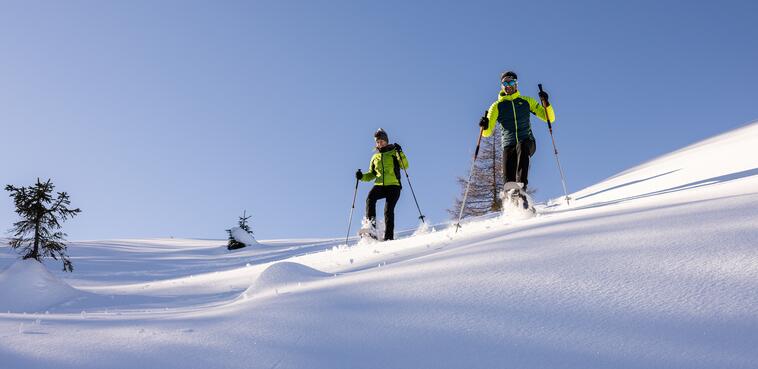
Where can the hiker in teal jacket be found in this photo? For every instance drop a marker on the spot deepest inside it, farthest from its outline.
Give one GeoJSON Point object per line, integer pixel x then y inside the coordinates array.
{"type": "Point", "coordinates": [512, 111]}
{"type": "Point", "coordinates": [384, 170]}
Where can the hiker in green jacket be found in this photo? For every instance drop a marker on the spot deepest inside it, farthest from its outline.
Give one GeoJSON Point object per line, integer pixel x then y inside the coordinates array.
{"type": "Point", "coordinates": [384, 170]}
{"type": "Point", "coordinates": [512, 111]}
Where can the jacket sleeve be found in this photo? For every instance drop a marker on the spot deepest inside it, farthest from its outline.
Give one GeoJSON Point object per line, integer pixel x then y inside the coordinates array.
{"type": "Point", "coordinates": [402, 160]}
{"type": "Point", "coordinates": [492, 114]}
{"type": "Point", "coordinates": [370, 175]}
{"type": "Point", "coordinates": [537, 109]}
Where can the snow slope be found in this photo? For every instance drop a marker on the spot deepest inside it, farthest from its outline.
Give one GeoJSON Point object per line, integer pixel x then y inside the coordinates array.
{"type": "Point", "coordinates": [656, 267]}
{"type": "Point", "coordinates": [28, 286]}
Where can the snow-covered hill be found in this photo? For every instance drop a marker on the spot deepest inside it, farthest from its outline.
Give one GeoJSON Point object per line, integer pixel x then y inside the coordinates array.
{"type": "Point", "coordinates": [656, 267]}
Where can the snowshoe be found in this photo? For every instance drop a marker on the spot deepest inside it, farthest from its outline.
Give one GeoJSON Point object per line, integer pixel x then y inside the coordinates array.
{"type": "Point", "coordinates": [514, 197]}
{"type": "Point", "coordinates": [368, 233]}
{"type": "Point", "coordinates": [368, 230]}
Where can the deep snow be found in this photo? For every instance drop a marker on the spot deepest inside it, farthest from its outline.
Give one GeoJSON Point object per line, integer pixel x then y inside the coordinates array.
{"type": "Point", "coordinates": [656, 267]}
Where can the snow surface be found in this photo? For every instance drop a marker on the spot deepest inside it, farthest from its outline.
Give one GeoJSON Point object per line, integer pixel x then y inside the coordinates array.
{"type": "Point", "coordinates": [656, 267]}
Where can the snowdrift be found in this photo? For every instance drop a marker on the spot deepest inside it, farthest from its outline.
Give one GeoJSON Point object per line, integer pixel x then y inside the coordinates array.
{"type": "Point", "coordinates": [282, 275]}
{"type": "Point", "coordinates": [27, 286]}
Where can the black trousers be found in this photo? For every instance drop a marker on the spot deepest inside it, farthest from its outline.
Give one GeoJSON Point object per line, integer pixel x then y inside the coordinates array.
{"type": "Point", "coordinates": [392, 194]}
{"type": "Point", "coordinates": [516, 161]}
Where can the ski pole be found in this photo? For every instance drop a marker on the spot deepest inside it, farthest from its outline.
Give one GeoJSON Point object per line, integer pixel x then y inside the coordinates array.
{"type": "Point", "coordinates": [350, 221]}
{"type": "Point", "coordinates": [555, 149]}
{"type": "Point", "coordinates": [420, 215]}
{"type": "Point", "coordinates": [470, 174]}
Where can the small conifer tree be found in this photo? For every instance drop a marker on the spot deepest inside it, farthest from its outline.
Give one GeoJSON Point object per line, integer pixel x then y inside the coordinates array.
{"type": "Point", "coordinates": [233, 244]}
{"type": "Point", "coordinates": [486, 181]}
{"type": "Point", "coordinates": [38, 233]}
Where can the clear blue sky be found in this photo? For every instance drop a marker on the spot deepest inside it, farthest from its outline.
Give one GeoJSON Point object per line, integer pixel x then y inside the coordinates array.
{"type": "Point", "coordinates": [169, 118]}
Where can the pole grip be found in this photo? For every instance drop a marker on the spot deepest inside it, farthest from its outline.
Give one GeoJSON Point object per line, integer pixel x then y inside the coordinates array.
{"type": "Point", "coordinates": [543, 101]}
{"type": "Point", "coordinates": [544, 105]}
{"type": "Point", "coordinates": [478, 143]}
{"type": "Point", "coordinates": [479, 140]}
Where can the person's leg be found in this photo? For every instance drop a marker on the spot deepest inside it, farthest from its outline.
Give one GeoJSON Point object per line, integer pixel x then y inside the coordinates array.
{"type": "Point", "coordinates": [510, 162]}
{"type": "Point", "coordinates": [374, 195]}
{"type": "Point", "coordinates": [525, 149]}
{"type": "Point", "coordinates": [393, 194]}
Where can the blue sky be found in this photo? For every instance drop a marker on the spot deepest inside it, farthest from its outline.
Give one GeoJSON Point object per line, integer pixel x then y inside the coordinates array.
{"type": "Point", "coordinates": [169, 118]}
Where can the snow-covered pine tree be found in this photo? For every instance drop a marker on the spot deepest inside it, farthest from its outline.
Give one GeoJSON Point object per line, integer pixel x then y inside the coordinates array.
{"type": "Point", "coordinates": [233, 244]}
{"type": "Point", "coordinates": [38, 233]}
{"type": "Point", "coordinates": [486, 181]}
{"type": "Point", "coordinates": [243, 222]}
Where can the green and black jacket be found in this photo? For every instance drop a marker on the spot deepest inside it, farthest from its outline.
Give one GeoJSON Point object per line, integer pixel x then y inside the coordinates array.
{"type": "Point", "coordinates": [512, 112]}
{"type": "Point", "coordinates": [385, 166]}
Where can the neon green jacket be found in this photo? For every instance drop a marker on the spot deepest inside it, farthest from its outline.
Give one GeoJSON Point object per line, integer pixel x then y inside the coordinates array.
{"type": "Point", "coordinates": [513, 113]}
{"type": "Point", "coordinates": [385, 166]}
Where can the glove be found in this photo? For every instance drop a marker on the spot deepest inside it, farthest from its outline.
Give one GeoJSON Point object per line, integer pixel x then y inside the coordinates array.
{"type": "Point", "coordinates": [543, 96]}
{"type": "Point", "coordinates": [398, 148]}
{"type": "Point", "coordinates": [484, 122]}
{"type": "Point", "coordinates": [359, 175]}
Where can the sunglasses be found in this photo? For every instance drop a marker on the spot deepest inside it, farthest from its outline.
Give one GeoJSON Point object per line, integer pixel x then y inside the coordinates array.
{"type": "Point", "coordinates": [509, 83]}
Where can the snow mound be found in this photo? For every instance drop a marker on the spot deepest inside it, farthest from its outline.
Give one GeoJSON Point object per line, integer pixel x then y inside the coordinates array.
{"type": "Point", "coordinates": [27, 286]}
{"type": "Point", "coordinates": [241, 236]}
{"type": "Point", "coordinates": [281, 275]}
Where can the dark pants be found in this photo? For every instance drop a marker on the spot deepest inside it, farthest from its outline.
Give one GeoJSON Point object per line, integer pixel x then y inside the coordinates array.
{"type": "Point", "coordinates": [392, 194]}
{"type": "Point", "coordinates": [516, 161]}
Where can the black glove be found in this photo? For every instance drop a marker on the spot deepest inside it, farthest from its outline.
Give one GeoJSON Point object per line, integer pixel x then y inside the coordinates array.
{"type": "Point", "coordinates": [543, 97]}
{"type": "Point", "coordinates": [398, 148]}
{"type": "Point", "coordinates": [484, 122]}
{"type": "Point", "coordinates": [359, 175]}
